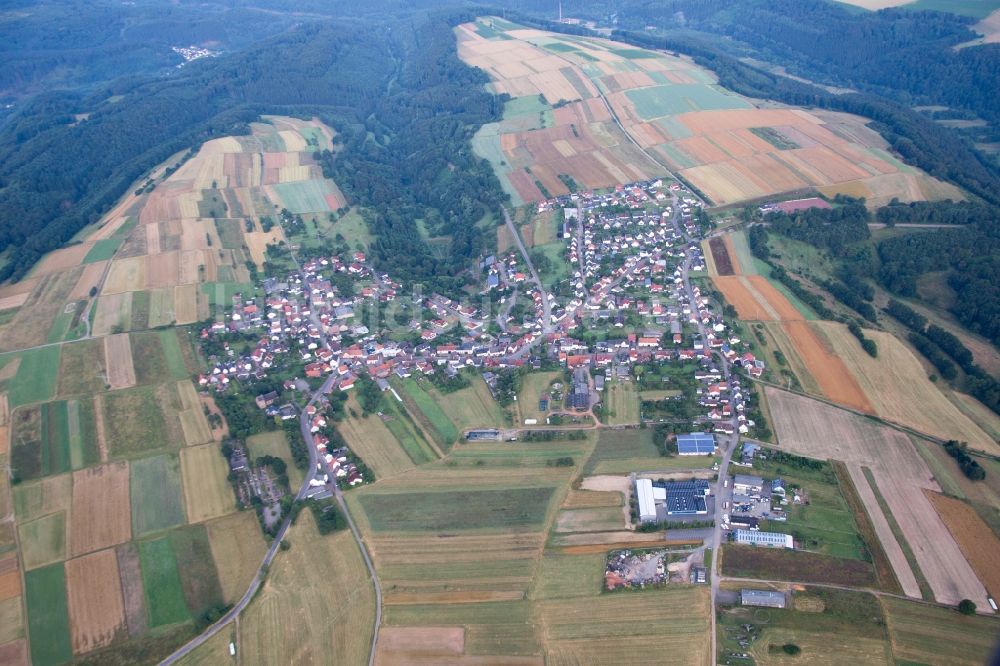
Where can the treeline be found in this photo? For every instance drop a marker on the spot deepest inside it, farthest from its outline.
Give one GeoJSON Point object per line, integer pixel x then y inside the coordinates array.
{"type": "Point", "coordinates": [925, 212]}
{"type": "Point", "coordinates": [941, 347]}
{"type": "Point", "coordinates": [966, 463]}
{"type": "Point", "coordinates": [399, 98]}
{"type": "Point", "coordinates": [835, 229]}
{"type": "Point", "coordinates": [898, 53]}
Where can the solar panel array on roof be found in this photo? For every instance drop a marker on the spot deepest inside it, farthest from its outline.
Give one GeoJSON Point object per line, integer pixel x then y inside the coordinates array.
{"type": "Point", "coordinates": [696, 444]}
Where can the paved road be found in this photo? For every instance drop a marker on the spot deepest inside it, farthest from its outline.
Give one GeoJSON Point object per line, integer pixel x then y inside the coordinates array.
{"type": "Point", "coordinates": [305, 426]}
{"type": "Point", "coordinates": [546, 306]}
{"type": "Point", "coordinates": [727, 443]}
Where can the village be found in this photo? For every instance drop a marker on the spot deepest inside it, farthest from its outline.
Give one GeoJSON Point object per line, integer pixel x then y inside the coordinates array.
{"type": "Point", "coordinates": [631, 304]}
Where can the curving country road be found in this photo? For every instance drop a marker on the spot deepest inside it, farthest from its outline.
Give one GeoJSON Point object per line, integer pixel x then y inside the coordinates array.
{"type": "Point", "coordinates": [314, 463]}
{"type": "Point", "coordinates": [546, 306]}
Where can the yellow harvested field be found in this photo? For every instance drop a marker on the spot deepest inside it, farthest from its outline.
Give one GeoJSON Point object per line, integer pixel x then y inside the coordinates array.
{"type": "Point", "coordinates": [101, 513]}
{"type": "Point", "coordinates": [257, 242]}
{"type": "Point", "coordinates": [811, 428]}
{"type": "Point", "coordinates": [371, 440]}
{"type": "Point", "coordinates": [207, 492]}
{"type": "Point", "coordinates": [89, 278]}
{"type": "Point", "coordinates": [185, 304]}
{"type": "Point", "coordinates": [111, 311]}
{"type": "Point", "coordinates": [118, 352]}
{"type": "Point", "coordinates": [295, 618]}
{"type": "Point", "coordinates": [238, 549]}
{"type": "Point", "coordinates": [126, 275]}
{"type": "Point", "coordinates": [58, 261]}
{"type": "Point", "coordinates": [899, 390]}
{"type": "Point", "coordinates": [94, 593]}
{"type": "Point", "coordinates": [152, 238]}
{"type": "Point", "coordinates": [603, 630]}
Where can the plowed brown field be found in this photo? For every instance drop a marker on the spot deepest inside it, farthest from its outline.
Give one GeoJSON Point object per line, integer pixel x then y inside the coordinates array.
{"type": "Point", "coordinates": [101, 508]}
{"type": "Point", "coordinates": [834, 379]}
{"type": "Point", "coordinates": [94, 592]}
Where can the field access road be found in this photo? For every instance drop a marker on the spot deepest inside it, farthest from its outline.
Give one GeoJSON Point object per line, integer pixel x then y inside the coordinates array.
{"type": "Point", "coordinates": [305, 425]}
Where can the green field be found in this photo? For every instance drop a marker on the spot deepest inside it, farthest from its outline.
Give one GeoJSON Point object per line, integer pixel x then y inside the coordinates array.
{"type": "Point", "coordinates": [104, 249]}
{"type": "Point", "coordinates": [43, 541]}
{"type": "Point", "coordinates": [441, 427]}
{"type": "Point", "coordinates": [162, 583]}
{"type": "Point", "coordinates": [471, 407]}
{"type": "Point", "coordinates": [230, 233]}
{"type": "Point", "coordinates": [199, 578]}
{"type": "Point", "coordinates": [172, 353]}
{"type": "Point", "coordinates": [139, 317]}
{"type": "Point", "coordinates": [81, 370]}
{"type": "Point", "coordinates": [53, 437]}
{"type": "Point", "coordinates": [623, 451]}
{"type": "Point", "coordinates": [135, 423]}
{"type": "Point", "coordinates": [221, 293]}
{"type": "Point", "coordinates": [406, 433]}
{"type": "Point", "coordinates": [306, 196]}
{"type": "Point", "coordinates": [36, 376]}
{"type": "Point", "coordinates": [671, 100]}
{"type": "Point", "coordinates": [569, 576]}
{"type": "Point", "coordinates": [824, 525]}
{"type": "Point", "coordinates": [621, 403]}
{"type": "Point", "coordinates": [275, 444]}
{"type": "Point", "coordinates": [822, 622]}
{"type": "Point", "coordinates": [353, 228]}
{"type": "Point", "coordinates": [927, 634]}
{"type": "Point", "coordinates": [161, 307]}
{"type": "Point", "coordinates": [457, 509]}
{"type": "Point", "coordinates": [157, 500]}
{"type": "Point", "coordinates": [66, 325]}
{"type": "Point", "coordinates": [48, 615]}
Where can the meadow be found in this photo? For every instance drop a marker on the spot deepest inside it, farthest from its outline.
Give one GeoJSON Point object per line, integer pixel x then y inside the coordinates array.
{"type": "Point", "coordinates": [48, 615]}
{"type": "Point", "coordinates": [457, 509]}
{"type": "Point", "coordinates": [162, 583]}
{"type": "Point", "coordinates": [157, 498]}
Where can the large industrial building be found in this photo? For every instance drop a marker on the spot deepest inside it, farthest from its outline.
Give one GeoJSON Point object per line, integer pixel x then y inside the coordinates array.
{"type": "Point", "coordinates": [696, 444]}
{"type": "Point", "coordinates": [679, 498]}
{"type": "Point", "coordinates": [766, 539]}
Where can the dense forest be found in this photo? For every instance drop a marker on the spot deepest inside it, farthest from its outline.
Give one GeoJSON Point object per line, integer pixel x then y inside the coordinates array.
{"type": "Point", "coordinates": [397, 93]}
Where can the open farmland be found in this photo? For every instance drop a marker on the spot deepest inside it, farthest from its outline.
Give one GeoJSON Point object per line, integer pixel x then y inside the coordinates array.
{"type": "Point", "coordinates": [810, 428]}
{"type": "Point", "coordinates": [899, 390]}
{"type": "Point", "coordinates": [45, 598]}
{"type": "Point", "coordinates": [924, 634]}
{"type": "Point", "coordinates": [370, 439]}
{"type": "Point", "coordinates": [162, 582]}
{"type": "Point", "coordinates": [978, 543]}
{"type": "Point", "coordinates": [297, 617]}
{"type": "Point", "coordinates": [118, 352]}
{"type": "Point", "coordinates": [604, 628]}
{"type": "Point", "coordinates": [207, 492]}
{"type": "Point", "coordinates": [471, 407]}
{"type": "Point", "coordinates": [237, 549]}
{"type": "Point", "coordinates": [101, 508]}
{"type": "Point", "coordinates": [674, 115]}
{"type": "Point", "coordinates": [456, 509]}
{"type": "Point", "coordinates": [96, 611]}
{"type": "Point", "coordinates": [157, 499]}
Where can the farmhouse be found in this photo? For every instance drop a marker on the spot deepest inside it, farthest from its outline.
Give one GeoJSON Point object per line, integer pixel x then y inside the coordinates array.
{"type": "Point", "coordinates": [765, 539]}
{"type": "Point", "coordinates": [764, 598]}
{"type": "Point", "coordinates": [696, 444]}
